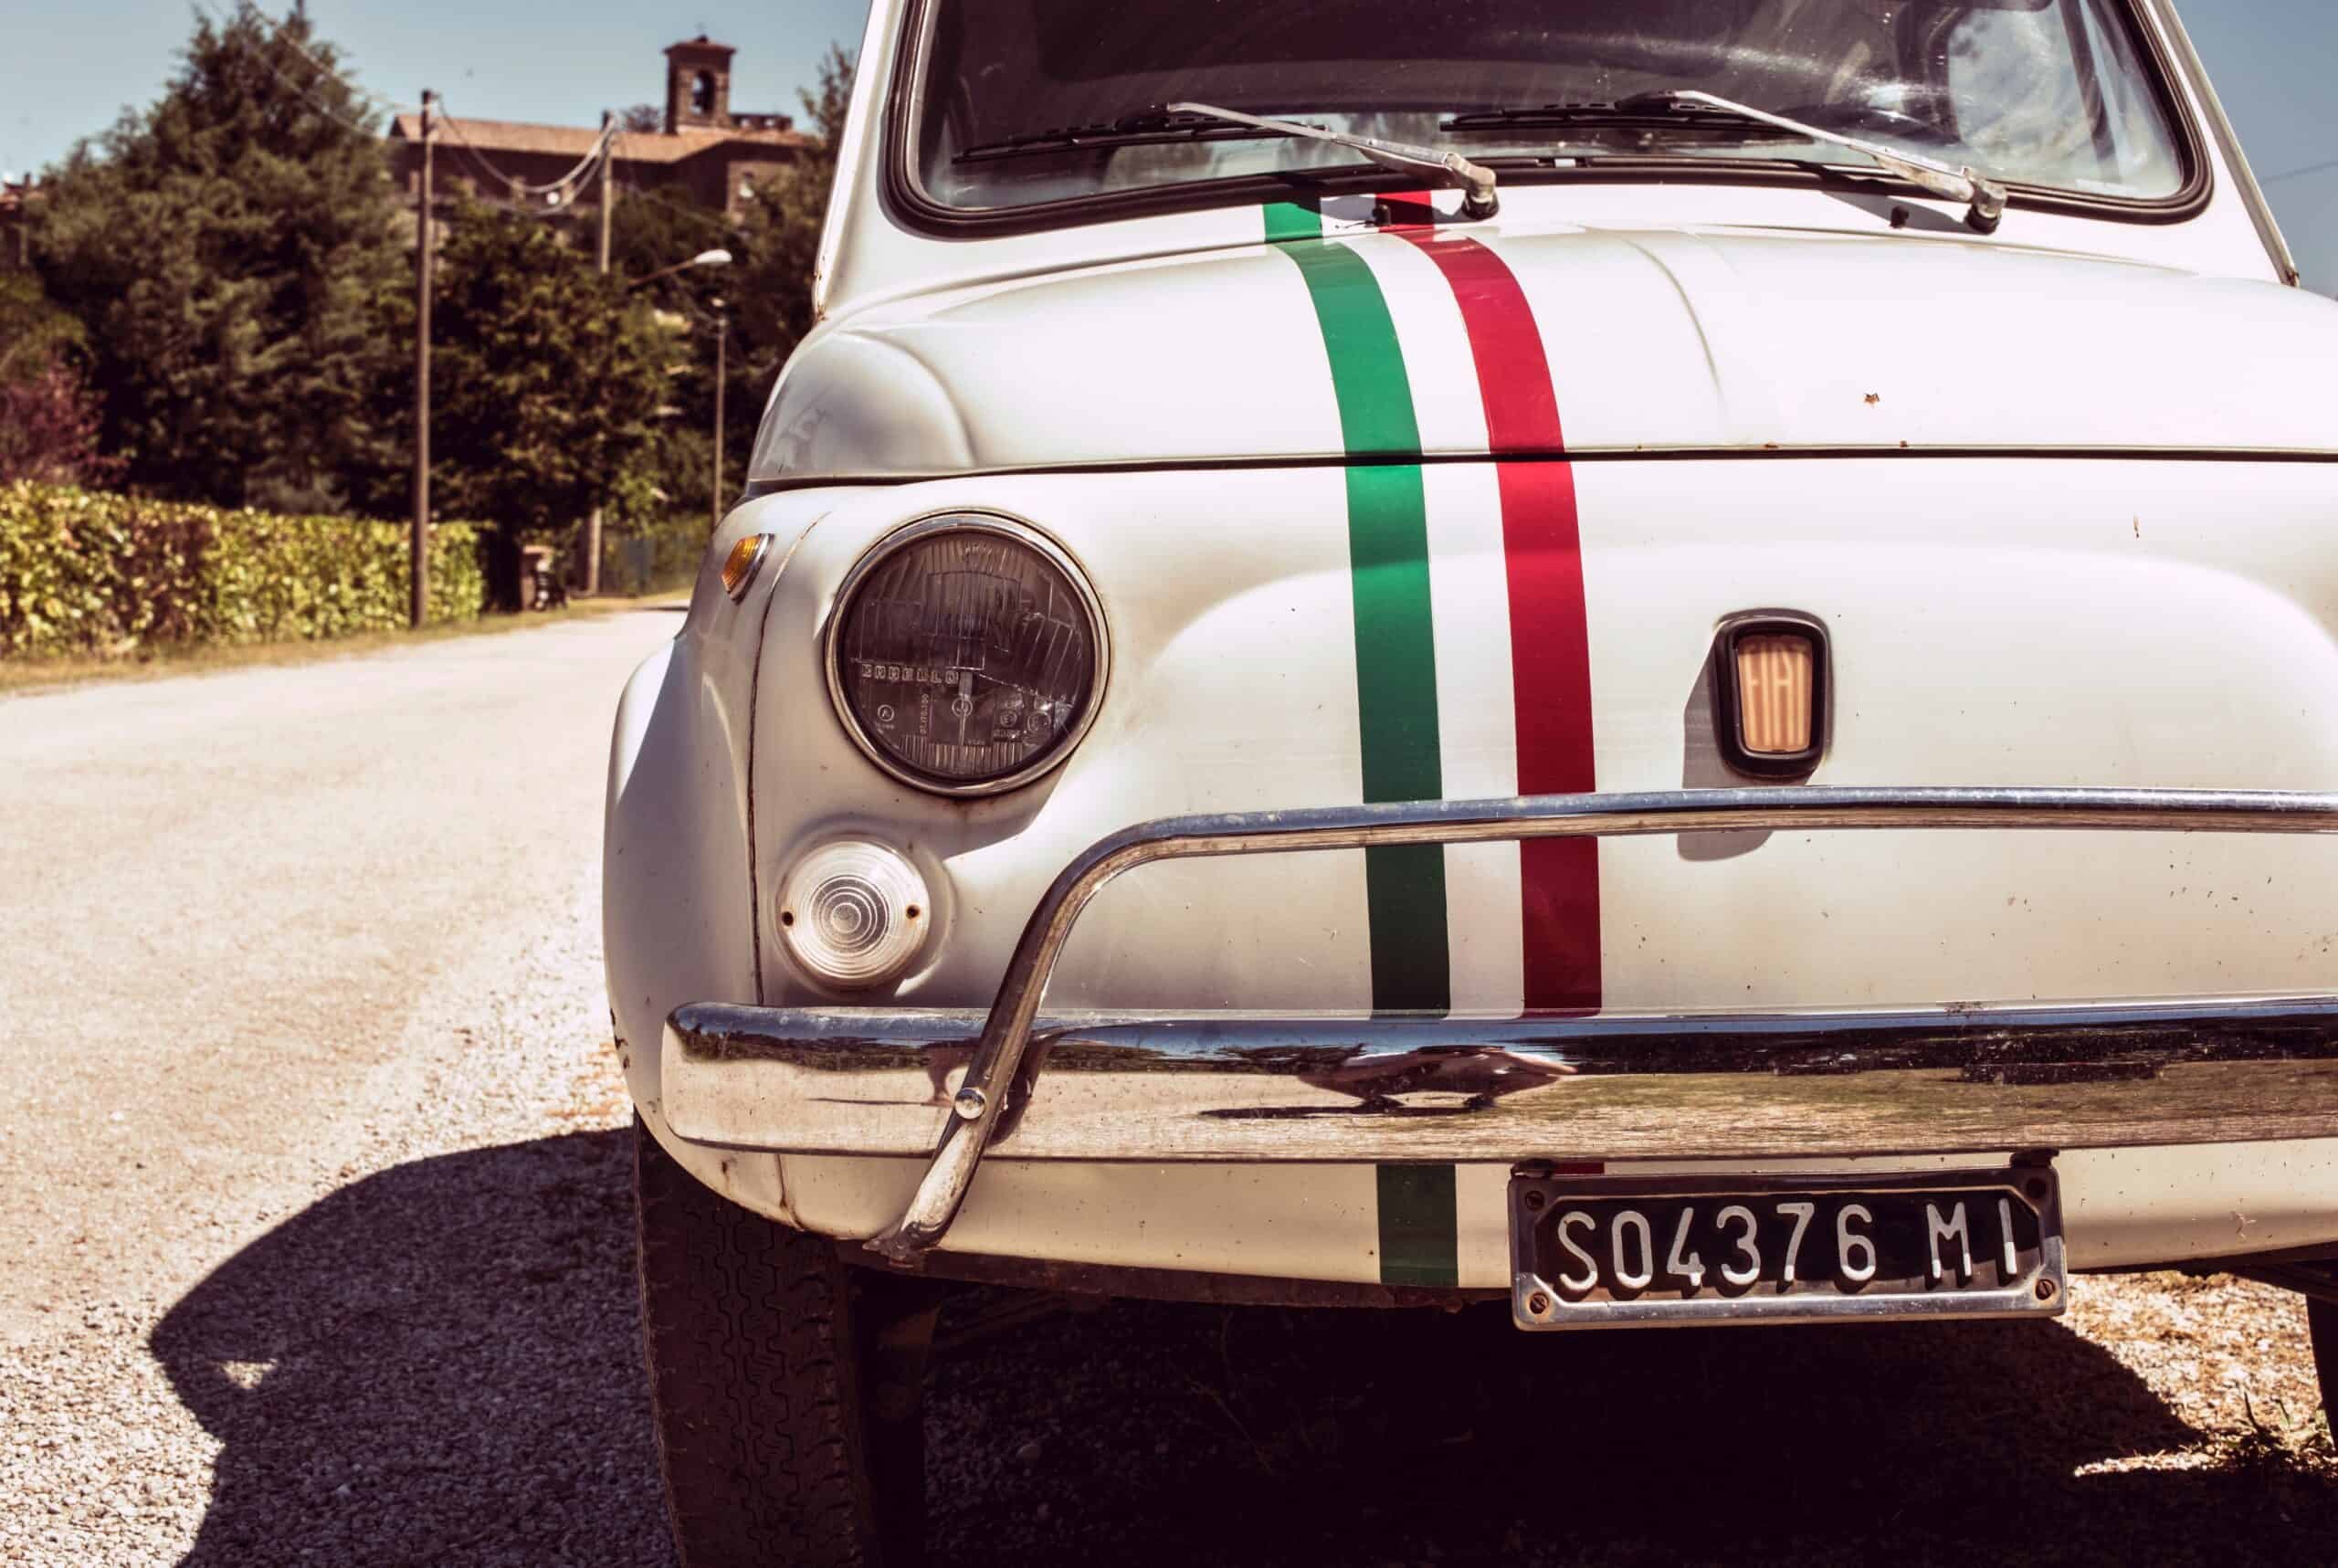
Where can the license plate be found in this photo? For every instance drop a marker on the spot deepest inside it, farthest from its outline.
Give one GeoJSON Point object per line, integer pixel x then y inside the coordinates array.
{"type": "Point", "coordinates": [1591, 1252]}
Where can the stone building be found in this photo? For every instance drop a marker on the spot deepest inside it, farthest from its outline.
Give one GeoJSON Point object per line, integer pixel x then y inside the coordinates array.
{"type": "Point", "coordinates": [704, 152]}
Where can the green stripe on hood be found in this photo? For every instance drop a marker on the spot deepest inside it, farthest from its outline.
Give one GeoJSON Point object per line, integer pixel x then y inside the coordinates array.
{"type": "Point", "coordinates": [1289, 220]}
{"type": "Point", "coordinates": [1396, 648]}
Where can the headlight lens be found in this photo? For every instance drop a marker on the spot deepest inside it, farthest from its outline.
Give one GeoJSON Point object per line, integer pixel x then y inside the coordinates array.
{"type": "Point", "coordinates": [966, 654]}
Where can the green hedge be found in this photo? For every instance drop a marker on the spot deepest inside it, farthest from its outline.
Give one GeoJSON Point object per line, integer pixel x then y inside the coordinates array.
{"type": "Point", "coordinates": [86, 572]}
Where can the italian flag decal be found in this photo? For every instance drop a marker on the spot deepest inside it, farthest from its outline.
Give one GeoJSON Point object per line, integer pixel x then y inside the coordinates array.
{"type": "Point", "coordinates": [1389, 530]}
{"type": "Point", "coordinates": [1396, 649]}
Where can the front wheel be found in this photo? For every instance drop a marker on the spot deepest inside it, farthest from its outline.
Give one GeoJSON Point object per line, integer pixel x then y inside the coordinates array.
{"type": "Point", "coordinates": [2322, 1326]}
{"type": "Point", "coordinates": [786, 1389]}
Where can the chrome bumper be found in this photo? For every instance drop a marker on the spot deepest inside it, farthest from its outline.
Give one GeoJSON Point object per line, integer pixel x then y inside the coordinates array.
{"type": "Point", "coordinates": [1952, 1080]}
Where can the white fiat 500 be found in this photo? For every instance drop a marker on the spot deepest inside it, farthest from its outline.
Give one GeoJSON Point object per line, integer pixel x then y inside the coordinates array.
{"type": "Point", "coordinates": [1671, 661]}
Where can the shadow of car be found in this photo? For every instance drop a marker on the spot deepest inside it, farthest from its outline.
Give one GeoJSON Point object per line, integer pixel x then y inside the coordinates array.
{"type": "Point", "coordinates": [441, 1363]}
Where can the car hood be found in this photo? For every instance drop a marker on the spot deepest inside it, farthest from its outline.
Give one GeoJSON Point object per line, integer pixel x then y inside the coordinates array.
{"type": "Point", "coordinates": [1658, 341]}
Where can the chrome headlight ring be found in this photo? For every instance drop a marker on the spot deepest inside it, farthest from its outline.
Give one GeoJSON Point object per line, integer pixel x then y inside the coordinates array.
{"type": "Point", "coordinates": [1055, 559]}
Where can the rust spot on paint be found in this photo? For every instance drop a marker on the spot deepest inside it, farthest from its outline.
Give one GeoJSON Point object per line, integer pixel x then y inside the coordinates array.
{"type": "Point", "coordinates": [1873, 398]}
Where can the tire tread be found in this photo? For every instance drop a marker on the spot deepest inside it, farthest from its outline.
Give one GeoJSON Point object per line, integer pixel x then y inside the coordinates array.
{"type": "Point", "coordinates": [746, 1330]}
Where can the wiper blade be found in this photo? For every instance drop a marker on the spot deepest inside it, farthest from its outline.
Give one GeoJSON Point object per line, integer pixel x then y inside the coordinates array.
{"type": "Point", "coordinates": [1202, 121]}
{"type": "Point", "coordinates": [1553, 116]}
{"type": "Point", "coordinates": [1476, 180]}
{"type": "Point", "coordinates": [1984, 198]}
{"type": "Point", "coordinates": [1129, 130]}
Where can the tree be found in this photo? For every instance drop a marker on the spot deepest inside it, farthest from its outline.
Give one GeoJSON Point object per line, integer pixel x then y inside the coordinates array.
{"type": "Point", "coordinates": [766, 293]}
{"type": "Point", "coordinates": [49, 429]}
{"type": "Point", "coordinates": [33, 329]}
{"type": "Point", "coordinates": [50, 420]}
{"type": "Point", "coordinates": [545, 383]}
{"type": "Point", "coordinates": [225, 249]}
{"type": "Point", "coordinates": [775, 289]}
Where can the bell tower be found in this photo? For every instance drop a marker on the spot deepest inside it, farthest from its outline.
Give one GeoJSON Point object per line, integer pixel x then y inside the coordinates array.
{"type": "Point", "coordinates": [698, 85]}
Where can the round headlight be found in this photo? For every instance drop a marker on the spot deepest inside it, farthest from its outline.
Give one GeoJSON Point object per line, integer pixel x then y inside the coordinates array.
{"type": "Point", "coordinates": [966, 654]}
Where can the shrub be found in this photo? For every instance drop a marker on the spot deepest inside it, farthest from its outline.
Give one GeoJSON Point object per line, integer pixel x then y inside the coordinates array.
{"type": "Point", "coordinates": [89, 572]}
{"type": "Point", "coordinates": [49, 426]}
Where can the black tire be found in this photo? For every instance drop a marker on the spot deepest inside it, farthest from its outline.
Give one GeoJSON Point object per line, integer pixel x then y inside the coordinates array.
{"type": "Point", "coordinates": [787, 1390]}
{"type": "Point", "coordinates": [2322, 1326]}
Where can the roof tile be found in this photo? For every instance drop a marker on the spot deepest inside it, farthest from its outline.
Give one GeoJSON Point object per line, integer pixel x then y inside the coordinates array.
{"type": "Point", "coordinates": [575, 141]}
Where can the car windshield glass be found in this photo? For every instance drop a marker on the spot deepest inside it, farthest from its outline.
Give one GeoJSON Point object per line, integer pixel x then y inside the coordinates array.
{"type": "Point", "coordinates": [1022, 101]}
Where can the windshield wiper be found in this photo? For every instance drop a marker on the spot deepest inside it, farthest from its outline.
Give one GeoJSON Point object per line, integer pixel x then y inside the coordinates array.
{"type": "Point", "coordinates": [1984, 198]}
{"type": "Point", "coordinates": [1146, 126]}
{"type": "Point", "coordinates": [1687, 109]}
{"type": "Point", "coordinates": [1477, 181]}
{"type": "Point", "coordinates": [1634, 112]}
{"type": "Point", "coordinates": [1202, 121]}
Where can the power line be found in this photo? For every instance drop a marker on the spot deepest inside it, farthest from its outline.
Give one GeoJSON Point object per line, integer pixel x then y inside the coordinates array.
{"type": "Point", "coordinates": [280, 33]}
{"type": "Point", "coordinates": [583, 170]}
{"type": "Point", "coordinates": [308, 96]}
{"type": "Point", "coordinates": [564, 187]}
{"type": "Point", "coordinates": [389, 105]}
{"type": "Point", "coordinates": [636, 191]}
{"type": "Point", "coordinates": [2326, 164]}
{"type": "Point", "coordinates": [610, 145]}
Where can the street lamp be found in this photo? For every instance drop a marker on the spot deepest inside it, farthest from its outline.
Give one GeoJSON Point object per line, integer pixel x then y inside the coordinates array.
{"type": "Point", "coordinates": [721, 373]}
{"type": "Point", "coordinates": [716, 258]}
{"type": "Point", "coordinates": [703, 259]}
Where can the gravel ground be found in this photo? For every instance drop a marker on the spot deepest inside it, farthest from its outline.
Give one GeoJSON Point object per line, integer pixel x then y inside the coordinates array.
{"type": "Point", "coordinates": [323, 1164]}
{"type": "Point", "coordinates": [324, 1254]}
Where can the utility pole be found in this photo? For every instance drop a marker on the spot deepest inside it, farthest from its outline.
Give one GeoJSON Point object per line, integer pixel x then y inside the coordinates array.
{"type": "Point", "coordinates": [722, 346]}
{"type": "Point", "coordinates": [592, 522]}
{"type": "Point", "coordinates": [419, 570]}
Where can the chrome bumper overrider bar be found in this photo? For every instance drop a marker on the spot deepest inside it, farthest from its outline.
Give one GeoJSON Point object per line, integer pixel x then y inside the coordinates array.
{"type": "Point", "coordinates": [1724, 1086]}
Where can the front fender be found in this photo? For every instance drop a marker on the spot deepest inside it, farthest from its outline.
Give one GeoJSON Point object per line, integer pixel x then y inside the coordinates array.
{"type": "Point", "coordinates": [678, 880]}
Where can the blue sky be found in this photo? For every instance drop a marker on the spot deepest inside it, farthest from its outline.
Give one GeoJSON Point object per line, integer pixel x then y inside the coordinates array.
{"type": "Point", "coordinates": [67, 70]}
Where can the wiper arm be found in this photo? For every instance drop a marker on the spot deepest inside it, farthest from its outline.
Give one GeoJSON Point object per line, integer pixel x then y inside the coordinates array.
{"type": "Point", "coordinates": [1476, 180]}
{"type": "Point", "coordinates": [1984, 199]}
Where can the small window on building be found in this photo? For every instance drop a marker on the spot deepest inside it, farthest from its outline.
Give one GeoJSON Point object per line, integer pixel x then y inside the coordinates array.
{"type": "Point", "coordinates": [702, 93]}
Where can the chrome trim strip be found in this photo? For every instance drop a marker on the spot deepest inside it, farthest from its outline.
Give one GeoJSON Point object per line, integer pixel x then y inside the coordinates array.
{"type": "Point", "coordinates": [2003, 452]}
{"type": "Point", "coordinates": [2252, 194]}
{"type": "Point", "coordinates": [1754, 1086]}
{"type": "Point", "coordinates": [1007, 1032]}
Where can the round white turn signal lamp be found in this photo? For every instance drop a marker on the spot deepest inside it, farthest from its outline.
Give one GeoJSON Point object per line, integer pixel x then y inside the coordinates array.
{"type": "Point", "coordinates": [853, 914]}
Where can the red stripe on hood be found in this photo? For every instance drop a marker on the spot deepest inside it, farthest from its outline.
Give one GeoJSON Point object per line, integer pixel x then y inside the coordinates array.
{"type": "Point", "coordinates": [1549, 643]}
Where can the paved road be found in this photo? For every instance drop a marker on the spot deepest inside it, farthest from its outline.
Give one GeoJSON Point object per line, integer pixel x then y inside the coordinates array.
{"type": "Point", "coordinates": [299, 987]}
{"type": "Point", "coordinates": [317, 1239]}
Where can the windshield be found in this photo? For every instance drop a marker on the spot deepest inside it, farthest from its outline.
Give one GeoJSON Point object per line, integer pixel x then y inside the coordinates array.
{"type": "Point", "coordinates": [2041, 92]}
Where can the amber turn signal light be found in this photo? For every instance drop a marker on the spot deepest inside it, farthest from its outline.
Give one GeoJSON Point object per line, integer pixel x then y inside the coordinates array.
{"type": "Point", "coordinates": [1770, 678]}
{"type": "Point", "coordinates": [739, 566]}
